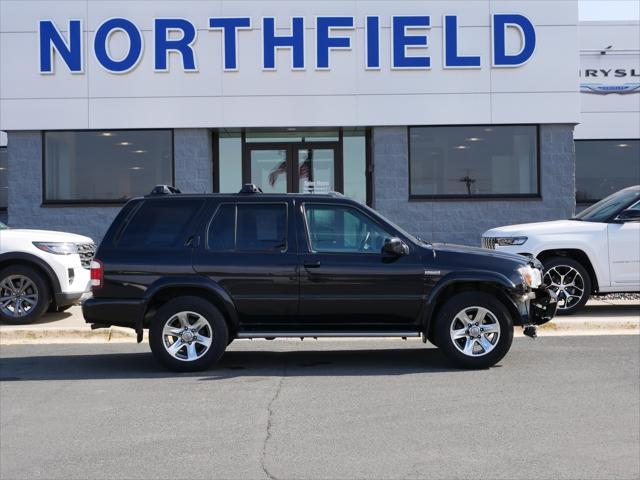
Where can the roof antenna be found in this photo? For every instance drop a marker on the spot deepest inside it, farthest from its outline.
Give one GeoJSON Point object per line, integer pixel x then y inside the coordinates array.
{"type": "Point", "coordinates": [606, 50]}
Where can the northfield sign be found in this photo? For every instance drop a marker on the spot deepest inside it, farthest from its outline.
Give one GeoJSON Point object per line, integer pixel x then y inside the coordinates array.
{"type": "Point", "coordinates": [178, 36]}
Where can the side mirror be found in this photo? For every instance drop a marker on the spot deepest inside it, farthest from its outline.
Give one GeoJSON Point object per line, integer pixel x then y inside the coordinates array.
{"type": "Point", "coordinates": [395, 247]}
{"type": "Point", "coordinates": [628, 216]}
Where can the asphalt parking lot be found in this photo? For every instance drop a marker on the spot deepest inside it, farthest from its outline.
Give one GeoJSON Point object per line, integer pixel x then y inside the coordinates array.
{"type": "Point", "coordinates": [560, 407]}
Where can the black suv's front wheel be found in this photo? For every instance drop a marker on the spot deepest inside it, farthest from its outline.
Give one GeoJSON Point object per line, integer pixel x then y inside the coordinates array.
{"type": "Point", "coordinates": [474, 330]}
{"type": "Point", "coordinates": [188, 334]}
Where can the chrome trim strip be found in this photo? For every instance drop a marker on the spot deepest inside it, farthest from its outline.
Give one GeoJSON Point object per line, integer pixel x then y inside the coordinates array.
{"type": "Point", "coordinates": [327, 334]}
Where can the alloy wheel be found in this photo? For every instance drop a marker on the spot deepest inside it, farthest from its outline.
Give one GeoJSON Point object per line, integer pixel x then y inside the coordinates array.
{"type": "Point", "coordinates": [475, 331]}
{"type": "Point", "coordinates": [18, 296]}
{"type": "Point", "coordinates": [567, 283]}
{"type": "Point", "coordinates": [187, 336]}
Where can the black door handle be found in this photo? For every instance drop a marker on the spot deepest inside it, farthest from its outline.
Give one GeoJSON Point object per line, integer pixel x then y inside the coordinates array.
{"type": "Point", "coordinates": [313, 264]}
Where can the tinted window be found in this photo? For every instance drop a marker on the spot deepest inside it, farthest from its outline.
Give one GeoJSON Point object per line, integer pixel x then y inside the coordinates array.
{"type": "Point", "coordinates": [106, 165]}
{"type": "Point", "coordinates": [160, 224]}
{"type": "Point", "coordinates": [474, 161]}
{"type": "Point", "coordinates": [605, 166]}
{"type": "Point", "coordinates": [221, 234]}
{"type": "Point", "coordinates": [605, 209]}
{"type": "Point", "coordinates": [261, 227]}
{"type": "Point", "coordinates": [336, 229]}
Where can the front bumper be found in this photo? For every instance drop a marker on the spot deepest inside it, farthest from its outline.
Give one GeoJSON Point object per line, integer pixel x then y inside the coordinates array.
{"type": "Point", "coordinates": [542, 308]}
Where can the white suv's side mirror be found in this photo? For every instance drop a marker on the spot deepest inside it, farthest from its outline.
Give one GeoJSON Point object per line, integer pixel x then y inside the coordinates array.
{"type": "Point", "coordinates": [628, 216]}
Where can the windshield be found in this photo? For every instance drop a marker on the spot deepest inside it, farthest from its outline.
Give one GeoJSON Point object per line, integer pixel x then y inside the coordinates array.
{"type": "Point", "coordinates": [605, 209]}
{"type": "Point", "coordinates": [398, 229]}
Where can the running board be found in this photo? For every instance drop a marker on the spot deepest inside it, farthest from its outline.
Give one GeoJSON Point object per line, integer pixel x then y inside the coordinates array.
{"type": "Point", "coordinates": [327, 334]}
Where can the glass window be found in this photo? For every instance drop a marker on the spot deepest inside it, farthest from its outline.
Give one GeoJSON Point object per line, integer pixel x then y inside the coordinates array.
{"type": "Point", "coordinates": [354, 152]}
{"type": "Point", "coordinates": [221, 234]}
{"type": "Point", "coordinates": [474, 161]}
{"type": "Point", "coordinates": [106, 165]}
{"type": "Point", "coordinates": [604, 167]}
{"type": "Point", "coordinates": [261, 227]}
{"type": "Point", "coordinates": [291, 135]}
{"type": "Point", "coordinates": [160, 224]}
{"type": "Point", "coordinates": [336, 229]}
{"type": "Point", "coordinates": [4, 178]}
{"type": "Point", "coordinates": [605, 209]}
{"type": "Point", "coordinates": [229, 161]}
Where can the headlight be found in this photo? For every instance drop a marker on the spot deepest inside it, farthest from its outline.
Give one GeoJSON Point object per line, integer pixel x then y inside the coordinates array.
{"type": "Point", "coordinates": [532, 277]}
{"type": "Point", "coordinates": [57, 248]}
{"type": "Point", "coordinates": [508, 241]}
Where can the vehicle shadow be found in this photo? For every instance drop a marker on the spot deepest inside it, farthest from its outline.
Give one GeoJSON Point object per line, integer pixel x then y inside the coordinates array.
{"type": "Point", "coordinates": [234, 364]}
{"type": "Point", "coordinates": [608, 311]}
{"type": "Point", "coordinates": [51, 317]}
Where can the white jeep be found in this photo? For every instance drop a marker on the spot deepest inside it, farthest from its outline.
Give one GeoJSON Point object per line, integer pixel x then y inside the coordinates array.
{"type": "Point", "coordinates": [595, 252]}
{"type": "Point", "coordinates": [41, 270]}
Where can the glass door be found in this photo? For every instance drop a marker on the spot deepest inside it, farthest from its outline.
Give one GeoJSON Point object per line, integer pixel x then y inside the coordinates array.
{"type": "Point", "coordinates": [270, 168]}
{"type": "Point", "coordinates": [293, 168]}
{"type": "Point", "coordinates": [316, 170]}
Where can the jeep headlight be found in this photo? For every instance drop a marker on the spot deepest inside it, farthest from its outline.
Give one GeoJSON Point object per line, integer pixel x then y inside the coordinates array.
{"type": "Point", "coordinates": [531, 277]}
{"type": "Point", "coordinates": [57, 248]}
{"type": "Point", "coordinates": [509, 241]}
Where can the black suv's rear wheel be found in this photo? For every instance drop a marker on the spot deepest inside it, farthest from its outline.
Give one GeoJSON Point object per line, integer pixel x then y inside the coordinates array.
{"type": "Point", "coordinates": [474, 330]}
{"type": "Point", "coordinates": [188, 334]}
{"type": "Point", "coordinates": [24, 295]}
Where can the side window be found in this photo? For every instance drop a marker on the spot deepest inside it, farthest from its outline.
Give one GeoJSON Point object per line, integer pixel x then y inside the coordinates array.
{"type": "Point", "coordinates": [160, 224]}
{"type": "Point", "coordinates": [337, 229]}
{"type": "Point", "coordinates": [222, 229]}
{"type": "Point", "coordinates": [261, 227]}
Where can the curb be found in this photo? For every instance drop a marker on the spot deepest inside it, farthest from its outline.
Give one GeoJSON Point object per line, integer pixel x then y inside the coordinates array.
{"type": "Point", "coordinates": [123, 335]}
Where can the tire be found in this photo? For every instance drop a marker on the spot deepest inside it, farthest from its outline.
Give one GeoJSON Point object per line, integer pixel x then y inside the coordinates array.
{"type": "Point", "coordinates": [486, 348]}
{"type": "Point", "coordinates": [576, 281]}
{"type": "Point", "coordinates": [34, 290]}
{"type": "Point", "coordinates": [207, 324]}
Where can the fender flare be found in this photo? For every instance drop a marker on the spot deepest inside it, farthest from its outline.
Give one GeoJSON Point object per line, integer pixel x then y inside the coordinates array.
{"type": "Point", "coordinates": [225, 302]}
{"type": "Point", "coordinates": [29, 258]}
{"type": "Point", "coordinates": [467, 276]}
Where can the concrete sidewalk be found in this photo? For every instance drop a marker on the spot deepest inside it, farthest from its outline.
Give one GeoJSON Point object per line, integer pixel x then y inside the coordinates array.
{"type": "Point", "coordinates": [600, 317]}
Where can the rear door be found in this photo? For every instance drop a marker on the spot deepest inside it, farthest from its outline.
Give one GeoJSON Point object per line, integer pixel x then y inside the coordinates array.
{"type": "Point", "coordinates": [250, 250]}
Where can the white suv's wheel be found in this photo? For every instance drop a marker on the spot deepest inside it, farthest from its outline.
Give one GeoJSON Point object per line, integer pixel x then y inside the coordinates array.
{"type": "Point", "coordinates": [24, 294]}
{"type": "Point", "coordinates": [570, 281]}
{"type": "Point", "coordinates": [188, 334]}
{"type": "Point", "coordinates": [474, 330]}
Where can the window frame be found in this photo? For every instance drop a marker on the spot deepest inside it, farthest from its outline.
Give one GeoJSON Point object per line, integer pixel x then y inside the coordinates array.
{"type": "Point", "coordinates": [475, 197]}
{"type": "Point", "coordinates": [98, 202]}
{"type": "Point", "coordinates": [235, 248]}
{"type": "Point", "coordinates": [588, 202]}
{"type": "Point", "coordinates": [339, 205]}
{"type": "Point", "coordinates": [5, 209]}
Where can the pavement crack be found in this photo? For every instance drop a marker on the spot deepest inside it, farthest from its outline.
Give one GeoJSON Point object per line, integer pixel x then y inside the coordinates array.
{"type": "Point", "coordinates": [268, 435]}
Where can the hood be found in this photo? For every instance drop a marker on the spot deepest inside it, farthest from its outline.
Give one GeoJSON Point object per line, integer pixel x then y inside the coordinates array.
{"type": "Point", "coordinates": [43, 236]}
{"type": "Point", "coordinates": [545, 228]}
{"type": "Point", "coordinates": [482, 253]}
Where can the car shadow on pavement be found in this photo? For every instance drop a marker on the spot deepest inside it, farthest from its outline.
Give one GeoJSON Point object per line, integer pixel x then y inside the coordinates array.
{"type": "Point", "coordinates": [234, 364]}
{"type": "Point", "coordinates": [606, 311]}
{"type": "Point", "coordinates": [50, 317]}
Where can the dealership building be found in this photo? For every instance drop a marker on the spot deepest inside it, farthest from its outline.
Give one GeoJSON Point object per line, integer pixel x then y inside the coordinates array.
{"type": "Point", "coordinates": [448, 117]}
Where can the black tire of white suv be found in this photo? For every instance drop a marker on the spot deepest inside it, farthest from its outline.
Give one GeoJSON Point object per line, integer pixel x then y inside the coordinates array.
{"type": "Point", "coordinates": [188, 334]}
{"type": "Point", "coordinates": [570, 281]}
{"type": "Point", "coordinates": [25, 294]}
{"type": "Point", "coordinates": [474, 330]}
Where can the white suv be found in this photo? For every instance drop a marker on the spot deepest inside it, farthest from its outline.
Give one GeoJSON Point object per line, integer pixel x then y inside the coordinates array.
{"type": "Point", "coordinates": [40, 271]}
{"type": "Point", "coordinates": [596, 252]}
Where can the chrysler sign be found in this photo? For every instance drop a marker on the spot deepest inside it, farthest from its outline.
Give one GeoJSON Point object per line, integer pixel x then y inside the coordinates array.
{"type": "Point", "coordinates": [178, 36]}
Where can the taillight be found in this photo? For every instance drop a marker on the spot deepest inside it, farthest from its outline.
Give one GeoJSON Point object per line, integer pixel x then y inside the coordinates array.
{"type": "Point", "coordinates": [97, 274]}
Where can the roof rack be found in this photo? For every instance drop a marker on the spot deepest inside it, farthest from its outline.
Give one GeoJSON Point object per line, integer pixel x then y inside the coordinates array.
{"type": "Point", "coordinates": [164, 190]}
{"type": "Point", "coordinates": [250, 188]}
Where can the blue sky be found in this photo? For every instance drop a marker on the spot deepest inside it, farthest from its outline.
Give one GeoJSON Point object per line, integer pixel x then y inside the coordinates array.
{"type": "Point", "coordinates": [610, 10]}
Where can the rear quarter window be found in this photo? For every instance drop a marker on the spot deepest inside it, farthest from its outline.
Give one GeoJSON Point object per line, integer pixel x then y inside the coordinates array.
{"type": "Point", "coordinates": [160, 224]}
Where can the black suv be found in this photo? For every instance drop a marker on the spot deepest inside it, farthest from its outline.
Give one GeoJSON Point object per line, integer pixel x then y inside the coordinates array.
{"type": "Point", "coordinates": [202, 270]}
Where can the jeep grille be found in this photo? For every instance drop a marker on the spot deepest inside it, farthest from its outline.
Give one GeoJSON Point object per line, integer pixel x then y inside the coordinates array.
{"type": "Point", "coordinates": [489, 242]}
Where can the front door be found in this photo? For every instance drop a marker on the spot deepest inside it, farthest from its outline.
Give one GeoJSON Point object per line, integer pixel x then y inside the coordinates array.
{"type": "Point", "coordinates": [293, 168]}
{"type": "Point", "coordinates": [624, 252]}
{"type": "Point", "coordinates": [345, 280]}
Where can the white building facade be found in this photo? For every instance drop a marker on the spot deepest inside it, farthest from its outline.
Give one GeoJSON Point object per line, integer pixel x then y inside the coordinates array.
{"type": "Point", "coordinates": [449, 117]}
